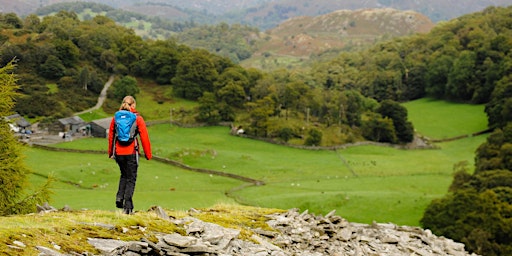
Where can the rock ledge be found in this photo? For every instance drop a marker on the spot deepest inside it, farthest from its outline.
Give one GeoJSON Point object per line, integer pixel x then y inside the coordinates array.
{"type": "Point", "coordinates": [294, 234]}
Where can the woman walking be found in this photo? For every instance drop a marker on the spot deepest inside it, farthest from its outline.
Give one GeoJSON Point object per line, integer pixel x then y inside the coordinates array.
{"type": "Point", "coordinates": [126, 152]}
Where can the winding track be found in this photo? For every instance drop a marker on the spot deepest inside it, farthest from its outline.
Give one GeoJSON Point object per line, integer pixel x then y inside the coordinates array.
{"type": "Point", "coordinates": [101, 98]}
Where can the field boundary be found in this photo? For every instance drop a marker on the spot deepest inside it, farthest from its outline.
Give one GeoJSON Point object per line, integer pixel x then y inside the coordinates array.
{"type": "Point", "coordinates": [419, 142]}
{"type": "Point", "coordinates": [462, 136]}
{"type": "Point", "coordinates": [162, 160]}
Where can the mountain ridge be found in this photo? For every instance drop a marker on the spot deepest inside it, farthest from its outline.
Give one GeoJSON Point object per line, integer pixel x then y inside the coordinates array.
{"type": "Point", "coordinates": [266, 13]}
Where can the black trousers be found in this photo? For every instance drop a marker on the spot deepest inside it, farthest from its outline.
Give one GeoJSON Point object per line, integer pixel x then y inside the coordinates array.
{"type": "Point", "coordinates": [128, 164]}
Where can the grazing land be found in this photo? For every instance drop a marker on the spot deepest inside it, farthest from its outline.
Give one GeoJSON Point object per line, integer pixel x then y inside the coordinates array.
{"type": "Point", "coordinates": [363, 183]}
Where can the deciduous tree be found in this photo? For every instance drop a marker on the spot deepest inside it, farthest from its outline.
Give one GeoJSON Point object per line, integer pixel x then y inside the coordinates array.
{"type": "Point", "coordinates": [477, 209]}
{"type": "Point", "coordinates": [403, 128]}
{"type": "Point", "coordinates": [127, 85]}
{"type": "Point", "coordinates": [195, 74]}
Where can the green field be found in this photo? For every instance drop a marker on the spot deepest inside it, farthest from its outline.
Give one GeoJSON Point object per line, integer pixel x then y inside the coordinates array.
{"type": "Point", "coordinates": [363, 184]}
{"type": "Point", "coordinates": [438, 119]}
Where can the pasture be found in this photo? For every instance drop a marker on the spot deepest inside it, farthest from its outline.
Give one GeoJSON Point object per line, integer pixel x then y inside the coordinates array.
{"type": "Point", "coordinates": [363, 183]}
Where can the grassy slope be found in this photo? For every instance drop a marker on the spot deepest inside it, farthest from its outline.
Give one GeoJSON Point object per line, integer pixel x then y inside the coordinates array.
{"type": "Point", "coordinates": [440, 119]}
{"type": "Point", "coordinates": [362, 183]}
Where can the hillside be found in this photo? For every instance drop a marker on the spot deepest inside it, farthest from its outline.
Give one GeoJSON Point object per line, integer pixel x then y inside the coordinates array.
{"type": "Point", "coordinates": [302, 37]}
{"type": "Point", "coordinates": [271, 14]}
{"type": "Point", "coordinates": [266, 14]}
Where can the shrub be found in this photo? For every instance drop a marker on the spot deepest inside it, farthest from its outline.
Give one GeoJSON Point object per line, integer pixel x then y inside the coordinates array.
{"type": "Point", "coordinates": [314, 138]}
{"type": "Point", "coordinates": [285, 134]}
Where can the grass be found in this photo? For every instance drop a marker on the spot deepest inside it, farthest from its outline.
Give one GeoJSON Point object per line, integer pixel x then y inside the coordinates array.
{"type": "Point", "coordinates": [94, 115]}
{"type": "Point", "coordinates": [363, 184]}
{"type": "Point", "coordinates": [47, 230]}
{"type": "Point", "coordinates": [90, 181]}
{"type": "Point", "coordinates": [69, 231]}
{"type": "Point", "coordinates": [391, 185]}
{"type": "Point", "coordinates": [439, 119]}
{"type": "Point", "coordinates": [155, 103]}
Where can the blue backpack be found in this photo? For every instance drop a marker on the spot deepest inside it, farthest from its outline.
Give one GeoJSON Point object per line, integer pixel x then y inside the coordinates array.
{"type": "Point", "coordinates": [126, 128]}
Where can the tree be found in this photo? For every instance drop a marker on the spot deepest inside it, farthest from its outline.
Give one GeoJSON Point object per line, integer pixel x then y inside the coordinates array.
{"type": "Point", "coordinates": [127, 85]}
{"type": "Point", "coordinates": [208, 109]}
{"type": "Point", "coordinates": [260, 112]}
{"type": "Point", "coordinates": [232, 94]}
{"type": "Point", "coordinates": [13, 173]}
{"type": "Point", "coordinates": [38, 104]}
{"type": "Point", "coordinates": [403, 128]}
{"type": "Point", "coordinates": [378, 128]}
{"type": "Point", "coordinates": [475, 215]}
{"type": "Point", "coordinates": [32, 22]}
{"type": "Point", "coordinates": [108, 60]}
{"type": "Point", "coordinates": [285, 134]}
{"type": "Point", "coordinates": [293, 96]}
{"type": "Point", "coordinates": [12, 20]}
{"type": "Point", "coordinates": [436, 77]}
{"type": "Point", "coordinates": [495, 153]}
{"type": "Point", "coordinates": [67, 52]}
{"type": "Point", "coordinates": [52, 68]}
{"type": "Point", "coordinates": [195, 74]}
{"type": "Point", "coordinates": [83, 79]}
{"type": "Point", "coordinates": [354, 105]}
{"type": "Point", "coordinates": [230, 85]}
{"type": "Point", "coordinates": [95, 83]}
{"type": "Point", "coordinates": [461, 80]}
{"type": "Point", "coordinates": [499, 109]}
{"type": "Point", "coordinates": [314, 138]}
{"type": "Point", "coordinates": [477, 209]}
{"type": "Point", "coordinates": [158, 60]}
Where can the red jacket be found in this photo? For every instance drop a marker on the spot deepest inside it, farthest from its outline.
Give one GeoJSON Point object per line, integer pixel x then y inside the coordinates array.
{"type": "Point", "coordinates": [130, 149]}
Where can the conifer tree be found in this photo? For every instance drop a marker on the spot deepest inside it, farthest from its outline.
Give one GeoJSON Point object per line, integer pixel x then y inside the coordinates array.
{"type": "Point", "coordinates": [13, 173]}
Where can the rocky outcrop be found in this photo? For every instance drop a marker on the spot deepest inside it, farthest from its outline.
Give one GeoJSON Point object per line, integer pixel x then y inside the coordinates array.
{"type": "Point", "coordinates": [290, 233]}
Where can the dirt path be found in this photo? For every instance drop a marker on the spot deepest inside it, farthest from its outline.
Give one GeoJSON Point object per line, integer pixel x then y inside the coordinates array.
{"type": "Point", "coordinates": [101, 98]}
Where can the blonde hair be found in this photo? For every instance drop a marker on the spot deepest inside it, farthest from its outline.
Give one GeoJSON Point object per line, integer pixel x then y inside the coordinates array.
{"type": "Point", "coordinates": [128, 101]}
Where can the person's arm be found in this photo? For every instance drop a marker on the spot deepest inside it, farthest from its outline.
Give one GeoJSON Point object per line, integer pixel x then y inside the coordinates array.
{"type": "Point", "coordinates": [111, 145]}
{"type": "Point", "coordinates": [144, 137]}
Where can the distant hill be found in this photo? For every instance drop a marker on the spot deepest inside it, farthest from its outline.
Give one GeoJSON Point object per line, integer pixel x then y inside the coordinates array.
{"type": "Point", "coordinates": [20, 7]}
{"type": "Point", "coordinates": [269, 14]}
{"type": "Point", "coordinates": [298, 39]}
{"type": "Point", "coordinates": [301, 36]}
{"type": "Point", "coordinates": [265, 14]}
{"type": "Point", "coordinates": [293, 42]}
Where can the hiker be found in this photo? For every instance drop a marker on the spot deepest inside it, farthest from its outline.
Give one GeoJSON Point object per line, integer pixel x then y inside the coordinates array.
{"type": "Point", "coordinates": [127, 153]}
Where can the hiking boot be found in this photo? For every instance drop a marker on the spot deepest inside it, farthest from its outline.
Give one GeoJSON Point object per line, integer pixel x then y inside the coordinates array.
{"type": "Point", "coordinates": [119, 204]}
{"type": "Point", "coordinates": [128, 211]}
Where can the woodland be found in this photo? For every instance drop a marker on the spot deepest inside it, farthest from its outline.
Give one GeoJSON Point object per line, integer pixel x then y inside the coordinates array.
{"type": "Point", "coordinates": [61, 63]}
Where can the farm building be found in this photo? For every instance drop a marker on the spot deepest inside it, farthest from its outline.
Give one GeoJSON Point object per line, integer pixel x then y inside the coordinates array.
{"type": "Point", "coordinates": [100, 127]}
{"type": "Point", "coordinates": [18, 123]}
{"type": "Point", "coordinates": [68, 125]}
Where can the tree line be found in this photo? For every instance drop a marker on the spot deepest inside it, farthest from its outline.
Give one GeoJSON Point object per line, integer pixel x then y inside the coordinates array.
{"type": "Point", "coordinates": [463, 60]}
{"type": "Point", "coordinates": [78, 55]}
